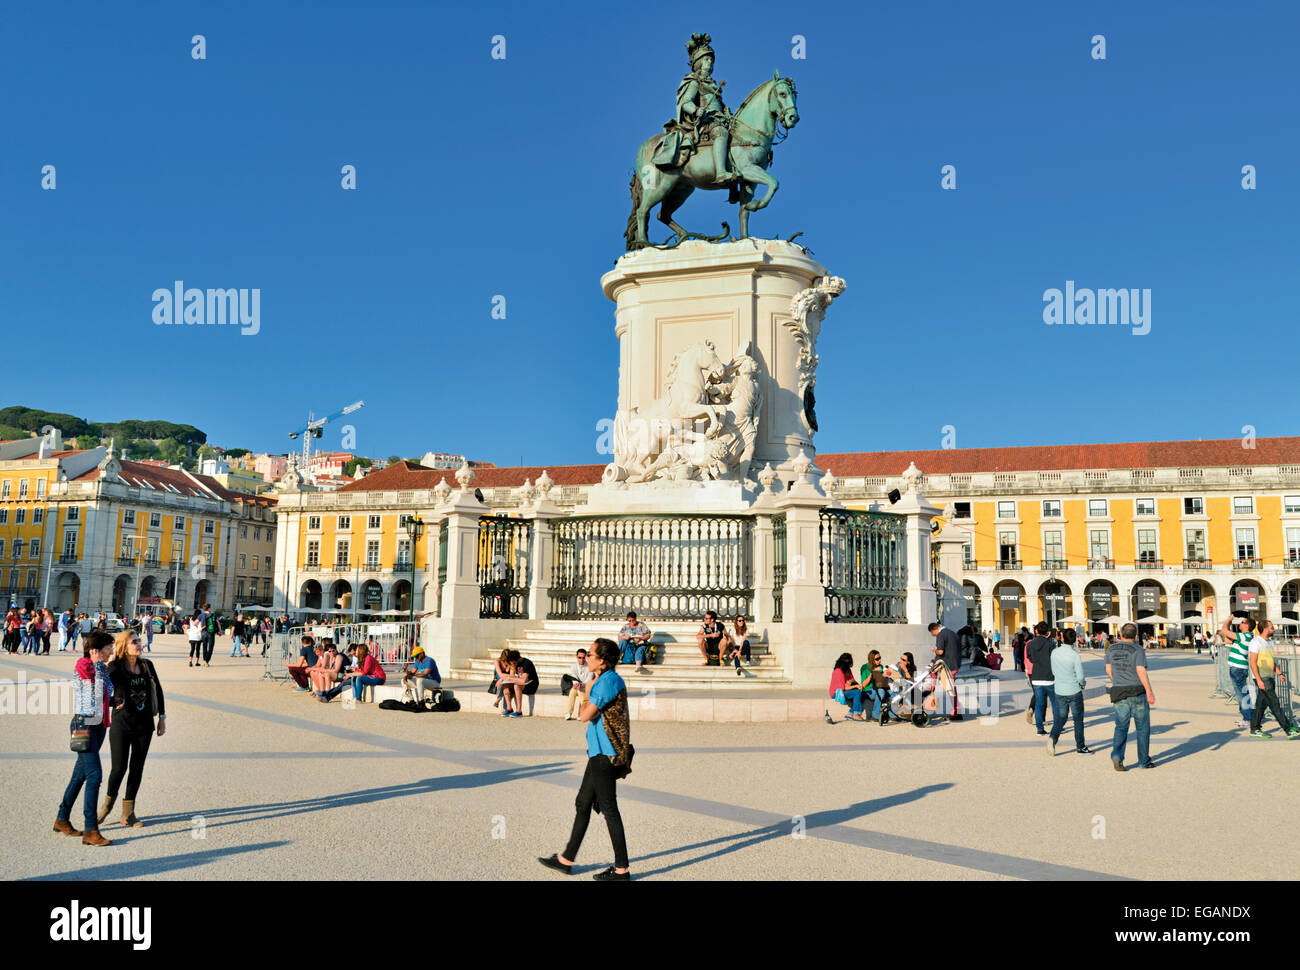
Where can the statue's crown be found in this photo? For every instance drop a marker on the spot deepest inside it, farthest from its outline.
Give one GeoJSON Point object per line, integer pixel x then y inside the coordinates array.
{"type": "Point", "coordinates": [698, 46]}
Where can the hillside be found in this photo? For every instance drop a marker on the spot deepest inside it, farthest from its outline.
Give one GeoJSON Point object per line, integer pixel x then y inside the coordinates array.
{"type": "Point", "coordinates": [141, 439]}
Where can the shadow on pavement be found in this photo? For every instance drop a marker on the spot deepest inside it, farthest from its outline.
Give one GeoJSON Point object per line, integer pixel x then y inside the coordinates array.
{"type": "Point", "coordinates": [743, 840]}
{"type": "Point", "coordinates": [1210, 741]}
{"type": "Point", "coordinates": [154, 867]}
{"type": "Point", "coordinates": [243, 814]}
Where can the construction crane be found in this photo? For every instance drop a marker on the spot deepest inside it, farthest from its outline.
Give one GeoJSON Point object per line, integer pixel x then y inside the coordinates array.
{"type": "Point", "coordinates": [316, 428]}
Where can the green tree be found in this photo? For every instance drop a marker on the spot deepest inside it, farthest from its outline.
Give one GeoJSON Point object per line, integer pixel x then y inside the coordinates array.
{"type": "Point", "coordinates": [87, 441]}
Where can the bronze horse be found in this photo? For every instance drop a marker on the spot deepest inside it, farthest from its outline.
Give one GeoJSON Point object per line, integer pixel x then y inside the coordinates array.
{"type": "Point", "coordinates": [753, 128]}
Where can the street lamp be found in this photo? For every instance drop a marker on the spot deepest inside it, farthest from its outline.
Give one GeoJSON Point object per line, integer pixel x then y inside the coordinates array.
{"type": "Point", "coordinates": [414, 529]}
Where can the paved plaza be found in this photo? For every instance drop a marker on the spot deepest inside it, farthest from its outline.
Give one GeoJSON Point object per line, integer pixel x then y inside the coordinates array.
{"type": "Point", "coordinates": [253, 781]}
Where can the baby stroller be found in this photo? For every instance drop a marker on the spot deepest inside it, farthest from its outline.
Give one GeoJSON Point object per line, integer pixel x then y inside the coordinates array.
{"type": "Point", "coordinates": [918, 702]}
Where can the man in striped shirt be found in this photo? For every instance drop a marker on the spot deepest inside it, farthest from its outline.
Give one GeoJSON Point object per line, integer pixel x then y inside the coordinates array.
{"type": "Point", "coordinates": [1237, 632]}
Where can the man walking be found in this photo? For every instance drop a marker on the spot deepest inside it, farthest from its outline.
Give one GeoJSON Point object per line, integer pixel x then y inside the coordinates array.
{"type": "Point", "coordinates": [1263, 670]}
{"type": "Point", "coordinates": [1131, 694]}
{"type": "Point", "coordinates": [1236, 633]}
{"type": "Point", "coordinates": [1038, 655]}
{"type": "Point", "coordinates": [948, 649]}
{"type": "Point", "coordinates": [1067, 693]}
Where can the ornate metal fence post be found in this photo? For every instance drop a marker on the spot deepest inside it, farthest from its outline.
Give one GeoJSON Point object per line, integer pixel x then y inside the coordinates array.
{"type": "Point", "coordinates": [764, 569]}
{"type": "Point", "coordinates": [921, 606]}
{"type": "Point", "coordinates": [949, 543]}
{"type": "Point", "coordinates": [460, 591]}
{"type": "Point", "coordinates": [802, 597]}
{"type": "Point", "coordinates": [541, 556]}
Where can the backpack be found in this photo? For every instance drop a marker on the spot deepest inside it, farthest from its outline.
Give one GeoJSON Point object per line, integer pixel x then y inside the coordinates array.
{"type": "Point", "coordinates": [212, 623]}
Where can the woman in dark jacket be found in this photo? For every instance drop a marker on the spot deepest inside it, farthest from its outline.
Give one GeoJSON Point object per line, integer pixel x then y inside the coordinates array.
{"type": "Point", "coordinates": [138, 698]}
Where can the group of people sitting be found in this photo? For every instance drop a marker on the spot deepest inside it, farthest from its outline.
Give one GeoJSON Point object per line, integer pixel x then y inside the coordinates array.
{"type": "Point", "coordinates": [871, 684]}
{"type": "Point", "coordinates": [717, 645]}
{"type": "Point", "coordinates": [325, 671]}
{"type": "Point", "coordinates": [514, 678]}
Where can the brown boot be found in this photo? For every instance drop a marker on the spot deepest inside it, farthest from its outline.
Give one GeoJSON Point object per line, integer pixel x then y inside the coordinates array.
{"type": "Point", "coordinates": [65, 827]}
{"type": "Point", "coordinates": [128, 814]}
{"type": "Point", "coordinates": [94, 838]}
{"type": "Point", "coordinates": [109, 802]}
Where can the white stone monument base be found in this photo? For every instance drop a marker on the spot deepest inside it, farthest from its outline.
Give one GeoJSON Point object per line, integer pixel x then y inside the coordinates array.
{"type": "Point", "coordinates": [669, 497]}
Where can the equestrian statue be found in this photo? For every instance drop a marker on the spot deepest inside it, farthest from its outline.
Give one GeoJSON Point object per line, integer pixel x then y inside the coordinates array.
{"type": "Point", "coordinates": [707, 146]}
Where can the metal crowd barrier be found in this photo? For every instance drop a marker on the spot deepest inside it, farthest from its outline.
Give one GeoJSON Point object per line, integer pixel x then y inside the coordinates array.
{"type": "Point", "coordinates": [392, 642]}
{"type": "Point", "coordinates": [1288, 665]}
{"type": "Point", "coordinates": [1223, 686]}
{"type": "Point", "coordinates": [280, 648]}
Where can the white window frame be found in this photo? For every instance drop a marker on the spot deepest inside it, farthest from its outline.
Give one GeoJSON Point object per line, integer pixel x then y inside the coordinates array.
{"type": "Point", "coordinates": [1137, 507]}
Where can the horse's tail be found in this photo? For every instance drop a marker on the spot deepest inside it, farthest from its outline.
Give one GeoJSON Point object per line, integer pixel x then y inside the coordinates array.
{"type": "Point", "coordinates": [629, 234]}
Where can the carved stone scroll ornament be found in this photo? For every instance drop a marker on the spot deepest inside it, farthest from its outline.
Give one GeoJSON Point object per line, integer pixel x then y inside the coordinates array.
{"type": "Point", "coordinates": [807, 308]}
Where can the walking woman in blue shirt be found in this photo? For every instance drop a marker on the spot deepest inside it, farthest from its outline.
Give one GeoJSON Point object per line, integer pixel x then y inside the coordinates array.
{"type": "Point", "coordinates": [609, 756]}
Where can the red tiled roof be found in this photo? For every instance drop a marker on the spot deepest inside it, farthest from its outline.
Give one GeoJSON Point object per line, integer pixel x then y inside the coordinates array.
{"type": "Point", "coordinates": [163, 479]}
{"type": "Point", "coordinates": [407, 476]}
{"type": "Point", "coordinates": [1139, 454]}
{"type": "Point", "coordinates": [1228, 452]}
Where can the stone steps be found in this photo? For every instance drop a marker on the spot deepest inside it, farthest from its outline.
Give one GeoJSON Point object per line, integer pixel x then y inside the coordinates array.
{"type": "Point", "coordinates": [551, 648]}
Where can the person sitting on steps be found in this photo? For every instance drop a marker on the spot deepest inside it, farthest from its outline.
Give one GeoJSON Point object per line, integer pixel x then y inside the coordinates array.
{"type": "Point", "coordinates": [710, 637]}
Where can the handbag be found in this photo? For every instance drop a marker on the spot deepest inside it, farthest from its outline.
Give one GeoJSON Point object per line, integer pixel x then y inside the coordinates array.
{"type": "Point", "coordinates": [79, 740]}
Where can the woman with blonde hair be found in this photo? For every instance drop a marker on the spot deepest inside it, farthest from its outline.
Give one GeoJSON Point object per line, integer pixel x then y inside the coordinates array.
{"type": "Point", "coordinates": [137, 699]}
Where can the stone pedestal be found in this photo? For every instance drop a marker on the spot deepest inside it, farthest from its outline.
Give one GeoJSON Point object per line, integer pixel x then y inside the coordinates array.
{"type": "Point", "coordinates": [768, 294]}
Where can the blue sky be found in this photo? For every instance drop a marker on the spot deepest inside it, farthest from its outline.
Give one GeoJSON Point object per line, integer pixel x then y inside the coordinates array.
{"type": "Point", "coordinates": [478, 177]}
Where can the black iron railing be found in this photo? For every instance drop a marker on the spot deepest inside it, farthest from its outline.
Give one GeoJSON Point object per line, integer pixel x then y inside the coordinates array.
{"type": "Point", "coordinates": [668, 567]}
{"type": "Point", "coordinates": [862, 566]}
{"type": "Point", "coordinates": [503, 548]}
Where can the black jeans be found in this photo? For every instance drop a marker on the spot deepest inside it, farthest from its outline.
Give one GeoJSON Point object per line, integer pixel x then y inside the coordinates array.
{"type": "Point", "coordinates": [209, 644]}
{"type": "Point", "coordinates": [196, 649]}
{"type": "Point", "coordinates": [1267, 698]}
{"type": "Point", "coordinates": [127, 748]}
{"type": "Point", "coordinates": [598, 789]}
